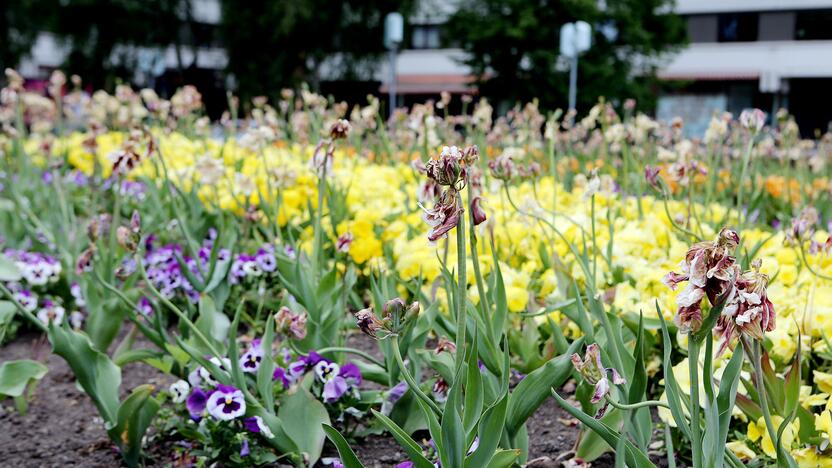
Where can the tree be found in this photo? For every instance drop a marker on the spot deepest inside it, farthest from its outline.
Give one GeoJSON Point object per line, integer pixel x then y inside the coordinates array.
{"type": "Point", "coordinates": [275, 44]}
{"type": "Point", "coordinates": [513, 48]}
{"type": "Point", "coordinates": [103, 35]}
{"type": "Point", "coordinates": [20, 23]}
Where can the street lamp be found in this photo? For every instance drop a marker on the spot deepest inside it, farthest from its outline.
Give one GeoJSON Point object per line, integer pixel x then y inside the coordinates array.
{"type": "Point", "coordinates": [575, 39]}
{"type": "Point", "coordinates": [393, 37]}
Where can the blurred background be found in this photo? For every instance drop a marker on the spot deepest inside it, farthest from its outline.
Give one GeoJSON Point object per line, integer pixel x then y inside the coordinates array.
{"type": "Point", "coordinates": [687, 58]}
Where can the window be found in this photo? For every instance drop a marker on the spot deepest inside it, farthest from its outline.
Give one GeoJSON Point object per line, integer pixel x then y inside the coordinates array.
{"type": "Point", "coordinates": [813, 25]}
{"type": "Point", "coordinates": [425, 36]}
{"type": "Point", "coordinates": [737, 27]}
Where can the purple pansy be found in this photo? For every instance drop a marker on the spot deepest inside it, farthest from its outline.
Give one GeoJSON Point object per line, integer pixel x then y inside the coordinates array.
{"type": "Point", "coordinates": [257, 425]}
{"type": "Point", "coordinates": [196, 402]}
{"type": "Point", "coordinates": [280, 374]}
{"type": "Point", "coordinates": [226, 403]}
{"type": "Point", "coordinates": [250, 360]}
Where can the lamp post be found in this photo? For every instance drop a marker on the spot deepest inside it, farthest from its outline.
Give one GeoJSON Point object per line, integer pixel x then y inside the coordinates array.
{"type": "Point", "coordinates": [575, 39]}
{"type": "Point", "coordinates": [393, 37]}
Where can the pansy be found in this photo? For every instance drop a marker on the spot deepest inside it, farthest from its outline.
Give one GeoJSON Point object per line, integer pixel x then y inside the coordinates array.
{"type": "Point", "coordinates": [179, 391]}
{"type": "Point", "coordinates": [196, 402]}
{"type": "Point", "coordinates": [27, 299]}
{"type": "Point", "coordinates": [77, 294]}
{"type": "Point", "coordinates": [280, 374]}
{"type": "Point", "coordinates": [226, 403]}
{"type": "Point", "coordinates": [76, 319]}
{"type": "Point", "coordinates": [250, 360]}
{"type": "Point", "coordinates": [205, 375]}
{"type": "Point", "coordinates": [145, 307]}
{"type": "Point", "coordinates": [257, 425]}
{"type": "Point", "coordinates": [391, 396]}
{"type": "Point", "coordinates": [326, 370]}
{"type": "Point", "coordinates": [51, 312]}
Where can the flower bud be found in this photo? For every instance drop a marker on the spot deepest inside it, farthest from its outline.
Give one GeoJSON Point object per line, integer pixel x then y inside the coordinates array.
{"type": "Point", "coordinates": [753, 120]}
{"type": "Point", "coordinates": [339, 129]}
{"type": "Point", "coordinates": [126, 238]}
{"type": "Point", "coordinates": [368, 322]}
{"type": "Point", "coordinates": [477, 212]}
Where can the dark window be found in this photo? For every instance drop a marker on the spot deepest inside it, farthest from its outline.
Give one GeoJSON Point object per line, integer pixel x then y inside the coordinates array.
{"type": "Point", "coordinates": [737, 27]}
{"type": "Point", "coordinates": [425, 36]}
{"type": "Point", "coordinates": [816, 24]}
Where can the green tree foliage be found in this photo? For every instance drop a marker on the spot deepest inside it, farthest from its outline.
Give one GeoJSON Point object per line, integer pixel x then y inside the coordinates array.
{"type": "Point", "coordinates": [513, 47]}
{"type": "Point", "coordinates": [279, 44]}
{"type": "Point", "coordinates": [20, 22]}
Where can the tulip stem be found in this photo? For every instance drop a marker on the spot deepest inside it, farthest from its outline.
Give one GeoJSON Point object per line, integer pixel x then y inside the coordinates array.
{"type": "Point", "coordinates": [357, 352]}
{"type": "Point", "coordinates": [462, 284]}
{"type": "Point", "coordinates": [635, 406]}
{"type": "Point", "coordinates": [35, 321]}
{"type": "Point", "coordinates": [411, 382]}
{"type": "Point", "coordinates": [695, 427]}
{"type": "Point", "coordinates": [758, 374]}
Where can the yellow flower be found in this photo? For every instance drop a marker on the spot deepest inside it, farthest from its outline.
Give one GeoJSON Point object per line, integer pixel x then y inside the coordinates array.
{"type": "Point", "coordinates": [758, 431]}
{"type": "Point", "coordinates": [741, 450]}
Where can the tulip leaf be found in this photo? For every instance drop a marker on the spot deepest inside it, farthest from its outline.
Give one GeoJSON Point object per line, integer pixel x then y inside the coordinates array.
{"type": "Point", "coordinates": [96, 373]}
{"type": "Point", "coordinates": [490, 432]}
{"type": "Point", "coordinates": [671, 387]}
{"type": "Point", "coordinates": [634, 456]}
{"type": "Point", "coordinates": [503, 458]}
{"type": "Point", "coordinates": [9, 270]}
{"type": "Point", "coordinates": [134, 417]}
{"type": "Point", "coordinates": [533, 390]}
{"type": "Point", "coordinates": [15, 376]}
{"type": "Point", "coordinates": [414, 452]}
{"type": "Point", "coordinates": [348, 457]}
{"type": "Point", "coordinates": [302, 416]}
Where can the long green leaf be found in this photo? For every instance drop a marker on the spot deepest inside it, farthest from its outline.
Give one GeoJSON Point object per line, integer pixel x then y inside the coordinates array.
{"type": "Point", "coordinates": [405, 441]}
{"type": "Point", "coordinates": [533, 390]}
{"type": "Point", "coordinates": [348, 457]}
{"type": "Point", "coordinates": [635, 457]}
{"type": "Point", "coordinates": [16, 375]}
{"type": "Point", "coordinates": [95, 372]}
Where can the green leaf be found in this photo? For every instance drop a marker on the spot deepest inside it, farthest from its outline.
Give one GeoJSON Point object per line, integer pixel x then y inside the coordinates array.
{"type": "Point", "coordinates": [302, 416]}
{"type": "Point", "coordinates": [453, 432]}
{"type": "Point", "coordinates": [9, 270]}
{"type": "Point", "coordinates": [473, 391]}
{"type": "Point", "coordinates": [212, 323]}
{"type": "Point", "coordinates": [635, 457]}
{"type": "Point", "coordinates": [15, 376]}
{"type": "Point", "coordinates": [533, 390]}
{"type": "Point", "coordinates": [490, 432]}
{"type": "Point", "coordinates": [95, 372]}
{"type": "Point", "coordinates": [134, 417]}
{"type": "Point", "coordinates": [638, 387]}
{"type": "Point", "coordinates": [414, 452]}
{"type": "Point", "coordinates": [135, 355]}
{"type": "Point", "coordinates": [348, 458]}
{"type": "Point", "coordinates": [503, 458]}
{"type": "Point", "coordinates": [265, 382]}
{"type": "Point", "coordinates": [671, 387]}
{"type": "Point", "coordinates": [718, 412]}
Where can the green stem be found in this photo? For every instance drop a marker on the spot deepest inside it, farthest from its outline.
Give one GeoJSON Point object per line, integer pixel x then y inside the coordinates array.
{"type": "Point", "coordinates": [809, 267]}
{"type": "Point", "coordinates": [758, 373]}
{"type": "Point", "coordinates": [635, 406]}
{"type": "Point", "coordinates": [486, 306]}
{"type": "Point", "coordinates": [357, 352]}
{"type": "Point", "coordinates": [696, 428]}
{"type": "Point", "coordinates": [182, 316]}
{"type": "Point", "coordinates": [462, 283]}
{"type": "Point", "coordinates": [746, 157]}
{"type": "Point", "coordinates": [411, 382]}
{"type": "Point", "coordinates": [35, 321]}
